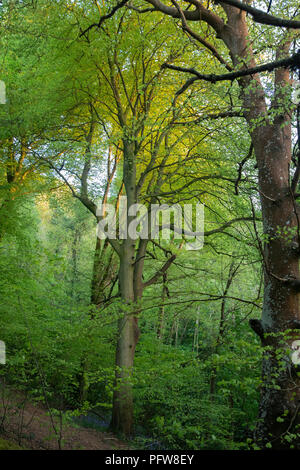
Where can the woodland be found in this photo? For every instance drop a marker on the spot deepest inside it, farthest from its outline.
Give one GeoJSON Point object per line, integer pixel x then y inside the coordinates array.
{"type": "Point", "coordinates": [161, 102]}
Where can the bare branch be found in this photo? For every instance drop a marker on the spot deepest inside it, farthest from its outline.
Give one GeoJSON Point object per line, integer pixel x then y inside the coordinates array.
{"type": "Point", "coordinates": [198, 38]}
{"type": "Point", "coordinates": [227, 224]}
{"type": "Point", "coordinates": [159, 273]}
{"type": "Point", "coordinates": [260, 16]}
{"type": "Point", "coordinates": [294, 60]}
{"type": "Point", "coordinates": [104, 17]}
{"type": "Point", "coordinates": [200, 13]}
{"type": "Point", "coordinates": [241, 164]}
{"type": "Point", "coordinates": [214, 116]}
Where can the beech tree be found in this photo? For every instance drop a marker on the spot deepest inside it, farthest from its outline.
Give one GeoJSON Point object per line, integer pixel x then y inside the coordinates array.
{"type": "Point", "coordinates": [131, 79]}
{"type": "Point", "coordinates": [154, 153]}
{"type": "Point", "coordinates": [269, 118]}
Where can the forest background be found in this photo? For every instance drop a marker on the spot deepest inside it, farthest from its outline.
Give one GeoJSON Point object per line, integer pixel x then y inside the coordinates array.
{"type": "Point", "coordinates": [182, 102]}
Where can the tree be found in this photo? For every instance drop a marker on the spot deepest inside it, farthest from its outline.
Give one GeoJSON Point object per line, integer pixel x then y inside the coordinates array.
{"type": "Point", "coordinates": [160, 162]}
{"type": "Point", "coordinates": [37, 100]}
{"type": "Point", "coordinates": [269, 126]}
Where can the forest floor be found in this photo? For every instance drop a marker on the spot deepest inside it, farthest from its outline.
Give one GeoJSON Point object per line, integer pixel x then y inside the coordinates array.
{"type": "Point", "coordinates": [30, 426]}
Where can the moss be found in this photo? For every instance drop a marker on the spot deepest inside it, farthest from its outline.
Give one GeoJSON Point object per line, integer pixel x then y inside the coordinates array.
{"type": "Point", "coordinates": [7, 445]}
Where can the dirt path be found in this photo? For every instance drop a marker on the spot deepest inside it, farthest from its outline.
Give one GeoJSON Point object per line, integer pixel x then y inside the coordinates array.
{"type": "Point", "coordinates": [31, 427]}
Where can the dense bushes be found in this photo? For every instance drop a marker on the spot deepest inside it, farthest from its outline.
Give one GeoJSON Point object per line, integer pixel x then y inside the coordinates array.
{"type": "Point", "coordinates": [49, 335]}
{"type": "Point", "coordinates": [173, 400]}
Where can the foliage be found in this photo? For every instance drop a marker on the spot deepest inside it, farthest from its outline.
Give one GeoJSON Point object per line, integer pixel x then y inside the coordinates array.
{"type": "Point", "coordinates": [74, 99]}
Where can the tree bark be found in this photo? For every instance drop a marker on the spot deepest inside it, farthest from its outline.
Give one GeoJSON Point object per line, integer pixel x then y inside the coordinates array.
{"type": "Point", "coordinates": [128, 331]}
{"type": "Point", "coordinates": [280, 392]}
{"type": "Point", "coordinates": [161, 313]}
{"type": "Point", "coordinates": [128, 335]}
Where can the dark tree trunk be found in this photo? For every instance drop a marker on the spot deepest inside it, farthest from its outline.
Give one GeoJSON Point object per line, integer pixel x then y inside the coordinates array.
{"type": "Point", "coordinates": [280, 394]}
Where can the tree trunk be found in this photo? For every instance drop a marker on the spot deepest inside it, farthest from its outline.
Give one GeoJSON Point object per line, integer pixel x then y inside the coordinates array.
{"type": "Point", "coordinates": [102, 275]}
{"type": "Point", "coordinates": [104, 270]}
{"type": "Point", "coordinates": [231, 274]}
{"type": "Point", "coordinates": [128, 331]}
{"type": "Point", "coordinates": [271, 139]}
{"type": "Point", "coordinates": [122, 416]}
{"type": "Point", "coordinates": [128, 335]}
{"type": "Point", "coordinates": [74, 279]}
{"type": "Point", "coordinates": [161, 313]}
{"type": "Point", "coordinates": [280, 394]}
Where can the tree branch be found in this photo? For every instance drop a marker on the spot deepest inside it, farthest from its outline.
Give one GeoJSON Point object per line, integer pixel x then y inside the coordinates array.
{"type": "Point", "coordinates": [159, 273]}
{"type": "Point", "coordinates": [260, 16]}
{"type": "Point", "coordinates": [221, 115]}
{"type": "Point", "coordinates": [104, 17]}
{"type": "Point", "coordinates": [198, 38]}
{"type": "Point", "coordinates": [227, 224]}
{"type": "Point", "coordinates": [292, 61]}
{"type": "Point", "coordinates": [241, 164]}
{"type": "Point", "coordinates": [200, 13]}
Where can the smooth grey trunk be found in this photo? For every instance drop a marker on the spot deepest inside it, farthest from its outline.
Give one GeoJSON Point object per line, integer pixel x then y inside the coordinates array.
{"type": "Point", "coordinates": [128, 335]}
{"type": "Point", "coordinates": [128, 331]}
